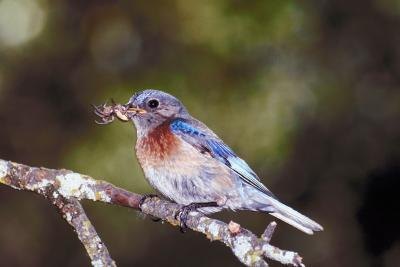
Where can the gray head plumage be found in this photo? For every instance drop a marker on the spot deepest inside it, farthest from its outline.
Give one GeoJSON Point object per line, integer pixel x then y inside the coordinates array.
{"type": "Point", "coordinates": [157, 107]}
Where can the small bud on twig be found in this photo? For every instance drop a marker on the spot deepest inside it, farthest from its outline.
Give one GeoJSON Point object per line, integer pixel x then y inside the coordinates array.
{"type": "Point", "coordinates": [233, 227]}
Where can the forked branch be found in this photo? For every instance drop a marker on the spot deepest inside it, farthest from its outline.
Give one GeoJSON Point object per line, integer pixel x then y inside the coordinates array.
{"type": "Point", "coordinates": [65, 189]}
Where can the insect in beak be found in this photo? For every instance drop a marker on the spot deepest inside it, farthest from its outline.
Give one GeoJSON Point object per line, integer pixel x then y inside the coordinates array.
{"type": "Point", "coordinates": [107, 113]}
{"type": "Point", "coordinates": [136, 110]}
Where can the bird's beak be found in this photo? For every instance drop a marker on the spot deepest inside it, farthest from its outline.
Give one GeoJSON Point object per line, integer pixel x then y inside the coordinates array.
{"type": "Point", "coordinates": [136, 110]}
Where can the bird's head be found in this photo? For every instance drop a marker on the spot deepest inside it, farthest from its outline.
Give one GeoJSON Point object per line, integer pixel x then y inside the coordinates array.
{"type": "Point", "coordinates": [150, 108]}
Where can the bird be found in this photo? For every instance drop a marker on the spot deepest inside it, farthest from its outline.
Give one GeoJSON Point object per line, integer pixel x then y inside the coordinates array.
{"type": "Point", "coordinates": [189, 164]}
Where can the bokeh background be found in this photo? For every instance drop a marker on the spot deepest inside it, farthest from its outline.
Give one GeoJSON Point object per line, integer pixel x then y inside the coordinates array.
{"type": "Point", "coordinates": [308, 92]}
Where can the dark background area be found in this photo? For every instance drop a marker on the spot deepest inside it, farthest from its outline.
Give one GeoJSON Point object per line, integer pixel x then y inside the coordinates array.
{"type": "Point", "coordinates": [307, 92]}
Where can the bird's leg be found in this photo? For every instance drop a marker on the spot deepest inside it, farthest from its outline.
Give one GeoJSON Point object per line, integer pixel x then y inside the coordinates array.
{"type": "Point", "coordinates": [144, 197]}
{"type": "Point", "coordinates": [141, 201]}
{"type": "Point", "coordinates": [185, 210]}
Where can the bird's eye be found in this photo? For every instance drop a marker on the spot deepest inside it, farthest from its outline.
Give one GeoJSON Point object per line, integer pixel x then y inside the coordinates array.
{"type": "Point", "coordinates": [153, 103]}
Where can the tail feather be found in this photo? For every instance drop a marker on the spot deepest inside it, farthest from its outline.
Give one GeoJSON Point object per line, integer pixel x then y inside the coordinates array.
{"type": "Point", "coordinates": [294, 218]}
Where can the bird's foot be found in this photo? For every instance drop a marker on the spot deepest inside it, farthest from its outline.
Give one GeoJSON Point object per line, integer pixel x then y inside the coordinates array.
{"type": "Point", "coordinates": [143, 199]}
{"type": "Point", "coordinates": [183, 212]}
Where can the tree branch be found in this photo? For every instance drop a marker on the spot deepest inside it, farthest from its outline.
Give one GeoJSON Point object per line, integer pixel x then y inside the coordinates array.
{"type": "Point", "coordinates": [64, 189]}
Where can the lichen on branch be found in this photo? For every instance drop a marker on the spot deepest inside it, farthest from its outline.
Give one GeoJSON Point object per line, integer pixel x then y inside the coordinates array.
{"type": "Point", "coordinates": [64, 189]}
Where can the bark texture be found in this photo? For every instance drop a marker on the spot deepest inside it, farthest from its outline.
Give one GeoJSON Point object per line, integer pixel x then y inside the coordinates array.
{"type": "Point", "coordinates": [64, 189]}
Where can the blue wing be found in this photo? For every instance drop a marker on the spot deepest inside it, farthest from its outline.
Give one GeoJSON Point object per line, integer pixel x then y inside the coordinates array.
{"type": "Point", "coordinates": [207, 142]}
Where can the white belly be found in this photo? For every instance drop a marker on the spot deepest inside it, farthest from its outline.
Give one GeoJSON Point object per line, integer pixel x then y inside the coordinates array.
{"type": "Point", "coordinates": [187, 176]}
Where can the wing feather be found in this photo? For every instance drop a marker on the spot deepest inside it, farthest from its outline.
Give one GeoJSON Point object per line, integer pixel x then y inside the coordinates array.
{"type": "Point", "coordinates": [207, 142]}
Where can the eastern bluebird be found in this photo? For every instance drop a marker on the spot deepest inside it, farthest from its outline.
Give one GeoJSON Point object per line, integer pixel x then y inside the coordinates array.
{"type": "Point", "coordinates": [188, 163]}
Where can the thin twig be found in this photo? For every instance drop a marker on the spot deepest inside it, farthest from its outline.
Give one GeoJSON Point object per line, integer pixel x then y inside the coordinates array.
{"type": "Point", "coordinates": [72, 211]}
{"type": "Point", "coordinates": [269, 231]}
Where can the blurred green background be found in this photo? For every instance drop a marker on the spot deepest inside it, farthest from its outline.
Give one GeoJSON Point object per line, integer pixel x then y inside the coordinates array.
{"type": "Point", "coordinates": [307, 92]}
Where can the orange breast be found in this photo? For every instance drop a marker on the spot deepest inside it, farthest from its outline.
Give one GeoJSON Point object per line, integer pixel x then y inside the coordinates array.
{"type": "Point", "coordinates": [158, 144]}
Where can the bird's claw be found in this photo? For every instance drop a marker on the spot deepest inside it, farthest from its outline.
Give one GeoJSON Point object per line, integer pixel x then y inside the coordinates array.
{"type": "Point", "coordinates": [182, 214]}
{"type": "Point", "coordinates": [143, 199]}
